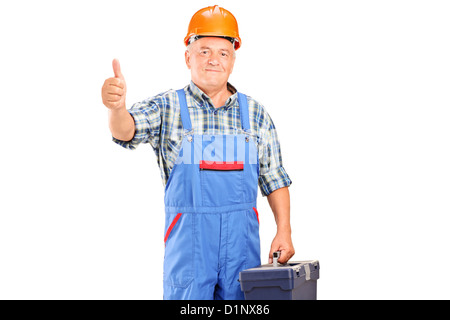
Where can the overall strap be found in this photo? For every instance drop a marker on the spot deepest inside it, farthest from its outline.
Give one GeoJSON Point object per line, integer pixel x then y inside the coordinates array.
{"type": "Point", "coordinates": [185, 118]}
{"type": "Point", "coordinates": [243, 108]}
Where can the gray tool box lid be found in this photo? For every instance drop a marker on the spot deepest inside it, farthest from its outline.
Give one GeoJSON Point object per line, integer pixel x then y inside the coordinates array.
{"type": "Point", "coordinates": [291, 270]}
{"type": "Point", "coordinates": [296, 280]}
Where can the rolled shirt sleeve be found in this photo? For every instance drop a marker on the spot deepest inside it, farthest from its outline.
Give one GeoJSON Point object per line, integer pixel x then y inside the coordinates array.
{"type": "Point", "coordinates": [147, 121]}
{"type": "Point", "coordinates": [272, 175]}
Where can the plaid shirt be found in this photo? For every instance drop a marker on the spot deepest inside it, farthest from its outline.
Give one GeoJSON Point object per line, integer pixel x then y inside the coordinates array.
{"type": "Point", "coordinates": [158, 122]}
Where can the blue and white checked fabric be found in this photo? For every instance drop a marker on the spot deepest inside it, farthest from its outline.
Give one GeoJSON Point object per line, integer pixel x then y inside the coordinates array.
{"type": "Point", "coordinates": [158, 122]}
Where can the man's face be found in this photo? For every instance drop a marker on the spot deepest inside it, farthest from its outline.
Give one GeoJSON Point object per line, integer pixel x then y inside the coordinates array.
{"type": "Point", "coordinates": [211, 62]}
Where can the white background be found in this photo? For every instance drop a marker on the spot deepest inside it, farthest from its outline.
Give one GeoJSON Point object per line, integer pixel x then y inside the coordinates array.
{"type": "Point", "coordinates": [358, 91]}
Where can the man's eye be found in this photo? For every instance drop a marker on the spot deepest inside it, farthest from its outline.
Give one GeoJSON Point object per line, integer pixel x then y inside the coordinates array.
{"type": "Point", "coordinates": [224, 54]}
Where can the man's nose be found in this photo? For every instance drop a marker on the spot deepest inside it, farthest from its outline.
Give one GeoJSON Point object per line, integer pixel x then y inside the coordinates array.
{"type": "Point", "coordinates": [212, 62]}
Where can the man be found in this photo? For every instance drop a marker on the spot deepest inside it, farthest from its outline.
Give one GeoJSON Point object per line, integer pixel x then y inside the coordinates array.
{"type": "Point", "coordinates": [214, 146]}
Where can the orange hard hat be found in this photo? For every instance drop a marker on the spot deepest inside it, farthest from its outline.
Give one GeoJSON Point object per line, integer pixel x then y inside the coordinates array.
{"type": "Point", "coordinates": [216, 22]}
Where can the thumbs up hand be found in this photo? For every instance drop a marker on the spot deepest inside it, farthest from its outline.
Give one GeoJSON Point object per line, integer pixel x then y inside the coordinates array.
{"type": "Point", "coordinates": [114, 89]}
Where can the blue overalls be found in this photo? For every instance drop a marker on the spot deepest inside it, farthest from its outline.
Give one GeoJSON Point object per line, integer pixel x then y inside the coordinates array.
{"type": "Point", "coordinates": [212, 225]}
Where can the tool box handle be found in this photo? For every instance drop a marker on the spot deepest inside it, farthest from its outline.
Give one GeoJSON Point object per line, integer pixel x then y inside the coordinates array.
{"type": "Point", "coordinates": [275, 257]}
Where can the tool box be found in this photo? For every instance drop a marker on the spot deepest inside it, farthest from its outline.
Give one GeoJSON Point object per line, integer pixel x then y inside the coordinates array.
{"type": "Point", "coordinates": [296, 280]}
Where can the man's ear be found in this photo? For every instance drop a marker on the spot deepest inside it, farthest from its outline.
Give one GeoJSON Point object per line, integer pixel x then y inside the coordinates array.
{"type": "Point", "coordinates": [188, 59]}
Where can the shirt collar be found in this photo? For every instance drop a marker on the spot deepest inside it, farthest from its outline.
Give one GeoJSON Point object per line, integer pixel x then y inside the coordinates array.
{"type": "Point", "coordinates": [200, 97]}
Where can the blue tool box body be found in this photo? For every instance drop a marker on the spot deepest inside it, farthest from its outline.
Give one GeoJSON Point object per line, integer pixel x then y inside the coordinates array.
{"type": "Point", "coordinates": [295, 280]}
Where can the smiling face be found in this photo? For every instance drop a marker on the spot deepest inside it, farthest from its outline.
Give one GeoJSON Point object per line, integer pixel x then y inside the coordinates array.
{"type": "Point", "coordinates": [211, 62]}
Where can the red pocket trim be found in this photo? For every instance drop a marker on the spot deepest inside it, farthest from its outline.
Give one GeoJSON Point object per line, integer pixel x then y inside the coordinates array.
{"type": "Point", "coordinates": [257, 215]}
{"type": "Point", "coordinates": [169, 230]}
{"type": "Point", "coordinates": [221, 165]}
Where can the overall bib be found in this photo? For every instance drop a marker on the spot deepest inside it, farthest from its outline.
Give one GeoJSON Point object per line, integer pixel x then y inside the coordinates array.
{"type": "Point", "coordinates": [212, 225]}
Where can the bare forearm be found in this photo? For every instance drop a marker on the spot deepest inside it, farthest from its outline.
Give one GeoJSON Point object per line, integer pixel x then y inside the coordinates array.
{"type": "Point", "coordinates": [279, 201]}
{"type": "Point", "coordinates": [121, 124]}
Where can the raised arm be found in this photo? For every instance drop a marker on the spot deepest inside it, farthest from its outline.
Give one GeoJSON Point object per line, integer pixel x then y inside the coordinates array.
{"type": "Point", "coordinates": [114, 90]}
